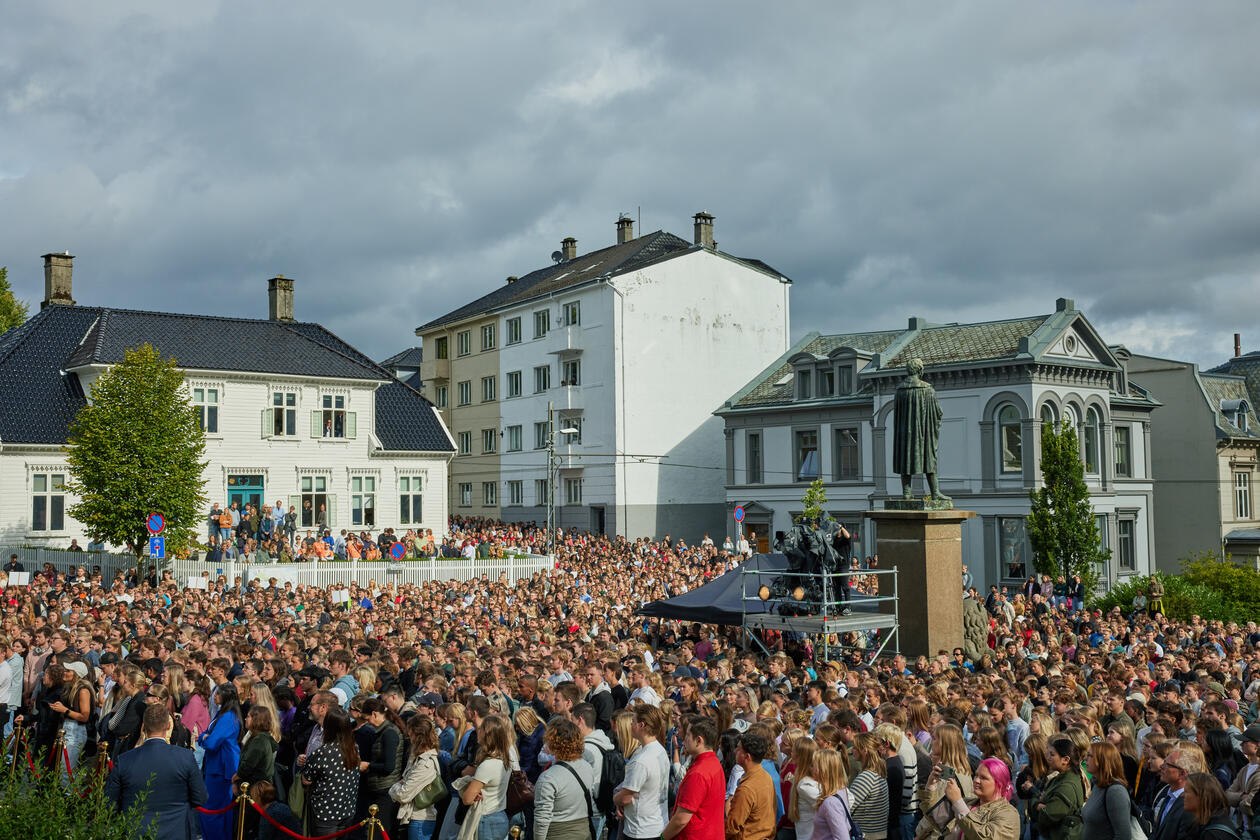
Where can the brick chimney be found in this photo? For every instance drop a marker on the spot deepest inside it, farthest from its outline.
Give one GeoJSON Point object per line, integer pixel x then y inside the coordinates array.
{"type": "Point", "coordinates": [625, 229]}
{"type": "Point", "coordinates": [280, 298]}
{"type": "Point", "coordinates": [58, 271]}
{"type": "Point", "coordinates": [704, 229]}
{"type": "Point", "coordinates": [568, 247]}
{"type": "Point", "coordinates": [1237, 345]}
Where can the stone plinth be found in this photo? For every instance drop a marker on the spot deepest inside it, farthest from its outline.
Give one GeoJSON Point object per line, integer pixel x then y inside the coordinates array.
{"type": "Point", "coordinates": [925, 546]}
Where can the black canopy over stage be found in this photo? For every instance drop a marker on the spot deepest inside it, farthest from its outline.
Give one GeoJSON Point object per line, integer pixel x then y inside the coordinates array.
{"type": "Point", "coordinates": [731, 599]}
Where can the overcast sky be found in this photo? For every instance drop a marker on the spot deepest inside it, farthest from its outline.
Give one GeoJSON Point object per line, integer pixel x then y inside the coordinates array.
{"type": "Point", "coordinates": [959, 161]}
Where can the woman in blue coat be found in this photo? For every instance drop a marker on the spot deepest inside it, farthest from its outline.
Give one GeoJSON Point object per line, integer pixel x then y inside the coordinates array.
{"type": "Point", "coordinates": [221, 742]}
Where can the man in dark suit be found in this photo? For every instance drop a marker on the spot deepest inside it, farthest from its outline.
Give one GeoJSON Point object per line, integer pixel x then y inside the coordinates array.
{"type": "Point", "coordinates": [1170, 819]}
{"type": "Point", "coordinates": [169, 774]}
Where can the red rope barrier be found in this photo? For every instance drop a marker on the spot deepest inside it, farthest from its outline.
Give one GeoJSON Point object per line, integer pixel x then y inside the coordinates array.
{"type": "Point", "coordinates": [303, 836]}
{"type": "Point", "coordinates": [65, 753]}
{"type": "Point", "coordinates": [31, 762]}
{"type": "Point", "coordinates": [230, 806]}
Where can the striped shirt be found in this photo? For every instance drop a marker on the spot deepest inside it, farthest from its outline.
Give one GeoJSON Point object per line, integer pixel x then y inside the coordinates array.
{"type": "Point", "coordinates": [868, 794]}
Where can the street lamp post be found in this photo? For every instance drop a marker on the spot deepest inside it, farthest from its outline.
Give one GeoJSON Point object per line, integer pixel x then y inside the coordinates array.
{"type": "Point", "coordinates": [551, 475]}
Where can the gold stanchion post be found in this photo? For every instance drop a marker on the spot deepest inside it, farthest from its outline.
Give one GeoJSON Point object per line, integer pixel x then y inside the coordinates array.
{"type": "Point", "coordinates": [372, 822]}
{"type": "Point", "coordinates": [17, 747]}
{"type": "Point", "coordinates": [59, 745]}
{"type": "Point", "coordinates": [102, 759]}
{"type": "Point", "coordinates": [242, 802]}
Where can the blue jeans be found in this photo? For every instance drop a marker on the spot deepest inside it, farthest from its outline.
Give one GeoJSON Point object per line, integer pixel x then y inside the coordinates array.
{"type": "Point", "coordinates": [76, 737]}
{"type": "Point", "coordinates": [907, 823]}
{"type": "Point", "coordinates": [421, 829]}
{"type": "Point", "coordinates": [493, 826]}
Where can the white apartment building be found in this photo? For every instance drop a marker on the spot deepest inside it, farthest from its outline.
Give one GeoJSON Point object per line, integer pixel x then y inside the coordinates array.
{"type": "Point", "coordinates": [291, 414]}
{"type": "Point", "coordinates": [631, 346]}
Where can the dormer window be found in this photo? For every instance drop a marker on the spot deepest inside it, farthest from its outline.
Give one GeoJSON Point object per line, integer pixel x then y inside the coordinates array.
{"type": "Point", "coordinates": [826, 382]}
{"type": "Point", "coordinates": [844, 380]}
{"type": "Point", "coordinates": [804, 385]}
{"type": "Point", "coordinates": [1236, 412]}
{"type": "Point", "coordinates": [1240, 416]}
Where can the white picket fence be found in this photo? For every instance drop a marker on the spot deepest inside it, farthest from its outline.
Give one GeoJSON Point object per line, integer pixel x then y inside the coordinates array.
{"type": "Point", "coordinates": [325, 574]}
{"type": "Point", "coordinates": [34, 558]}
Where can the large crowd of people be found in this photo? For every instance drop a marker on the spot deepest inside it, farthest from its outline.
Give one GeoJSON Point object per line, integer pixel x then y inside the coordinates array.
{"type": "Point", "coordinates": [462, 708]}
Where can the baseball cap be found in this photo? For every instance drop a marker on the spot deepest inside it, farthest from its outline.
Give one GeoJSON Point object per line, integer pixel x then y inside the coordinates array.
{"type": "Point", "coordinates": [430, 699]}
{"type": "Point", "coordinates": [1252, 733]}
{"type": "Point", "coordinates": [109, 658]}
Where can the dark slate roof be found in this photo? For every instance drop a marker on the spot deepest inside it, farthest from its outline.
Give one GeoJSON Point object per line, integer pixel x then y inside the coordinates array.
{"type": "Point", "coordinates": [1222, 388]}
{"type": "Point", "coordinates": [614, 259]}
{"type": "Point", "coordinates": [768, 391]}
{"type": "Point", "coordinates": [953, 343]}
{"type": "Point", "coordinates": [200, 342]}
{"type": "Point", "coordinates": [1248, 367]}
{"type": "Point", "coordinates": [415, 381]}
{"type": "Point", "coordinates": [409, 358]}
{"type": "Point", "coordinates": [60, 338]}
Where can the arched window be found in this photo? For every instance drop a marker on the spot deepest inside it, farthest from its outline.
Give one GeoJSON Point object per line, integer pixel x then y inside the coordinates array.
{"type": "Point", "coordinates": [1010, 436]}
{"type": "Point", "coordinates": [1069, 419]}
{"type": "Point", "coordinates": [1093, 434]}
{"type": "Point", "coordinates": [1048, 417]}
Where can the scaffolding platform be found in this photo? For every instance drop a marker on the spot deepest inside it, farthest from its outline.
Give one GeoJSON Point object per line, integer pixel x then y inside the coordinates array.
{"type": "Point", "coordinates": [815, 624]}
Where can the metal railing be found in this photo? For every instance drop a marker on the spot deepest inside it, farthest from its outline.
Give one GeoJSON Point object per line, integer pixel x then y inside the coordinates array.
{"type": "Point", "coordinates": [828, 607]}
{"type": "Point", "coordinates": [34, 558]}
{"type": "Point", "coordinates": [328, 572]}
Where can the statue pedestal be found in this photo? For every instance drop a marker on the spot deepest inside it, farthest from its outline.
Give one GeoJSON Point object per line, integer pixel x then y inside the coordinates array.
{"type": "Point", "coordinates": [925, 547]}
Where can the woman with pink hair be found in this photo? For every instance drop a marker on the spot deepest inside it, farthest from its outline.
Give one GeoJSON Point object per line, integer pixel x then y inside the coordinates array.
{"type": "Point", "coordinates": [993, 817]}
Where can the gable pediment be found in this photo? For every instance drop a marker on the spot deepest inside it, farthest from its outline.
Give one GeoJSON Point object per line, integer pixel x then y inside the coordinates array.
{"type": "Point", "coordinates": [1078, 342]}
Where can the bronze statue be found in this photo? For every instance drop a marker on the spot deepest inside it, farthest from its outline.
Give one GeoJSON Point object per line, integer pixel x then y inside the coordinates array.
{"type": "Point", "coordinates": [916, 431]}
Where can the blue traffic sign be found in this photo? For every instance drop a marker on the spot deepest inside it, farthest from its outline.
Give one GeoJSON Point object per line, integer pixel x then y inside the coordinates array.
{"type": "Point", "coordinates": [155, 523]}
{"type": "Point", "coordinates": [739, 514]}
{"type": "Point", "coordinates": [397, 550]}
{"type": "Point", "coordinates": [157, 548]}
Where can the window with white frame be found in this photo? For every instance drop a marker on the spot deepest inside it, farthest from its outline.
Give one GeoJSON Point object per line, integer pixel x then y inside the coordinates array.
{"type": "Point", "coordinates": [488, 384]}
{"type": "Point", "coordinates": [1011, 439]}
{"type": "Point", "coordinates": [1126, 531]}
{"type": "Point", "coordinates": [516, 493]}
{"type": "Point", "coordinates": [540, 435]}
{"type": "Point", "coordinates": [572, 314]}
{"type": "Point", "coordinates": [574, 422]}
{"type": "Point", "coordinates": [1013, 545]}
{"type": "Point", "coordinates": [573, 491]}
{"type": "Point", "coordinates": [513, 330]}
{"type": "Point", "coordinates": [489, 441]}
{"type": "Point", "coordinates": [513, 388]}
{"type": "Point", "coordinates": [363, 501]}
{"type": "Point", "coordinates": [48, 501]}
{"type": "Point", "coordinates": [410, 500]}
{"type": "Point", "coordinates": [465, 392]}
{"type": "Point", "coordinates": [540, 490]}
{"type": "Point", "coordinates": [487, 337]}
{"type": "Point", "coordinates": [1242, 495]}
{"type": "Point", "coordinates": [283, 414]}
{"type": "Point", "coordinates": [206, 401]}
{"type": "Point", "coordinates": [440, 396]}
{"type": "Point", "coordinates": [573, 372]}
{"type": "Point", "coordinates": [465, 494]}
{"type": "Point", "coordinates": [489, 492]}
{"type": "Point", "coordinates": [542, 323]}
{"type": "Point", "coordinates": [315, 498]}
{"type": "Point", "coordinates": [542, 378]}
{"type": "Point", "coordinates": [441, 348]}
{"type": "Point", "coordinates": [465, 443]}
{"type": "Point", "coordinates": [332, 416]}
{"type": "Point", "coordinates": [463, 343]}
{"type": "Point", "coordinates": [515, 441]}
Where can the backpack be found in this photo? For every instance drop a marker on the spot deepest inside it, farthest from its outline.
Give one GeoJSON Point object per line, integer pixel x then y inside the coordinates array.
{"type": "Point", "coordinates": [612, 773]}
{"type": "Point", "coordinates": [855, 831]}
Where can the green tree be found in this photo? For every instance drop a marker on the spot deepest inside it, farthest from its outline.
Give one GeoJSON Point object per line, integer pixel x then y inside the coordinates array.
{"type": "Point", "coordinates": [1062, 528]}
{"type": "Point", "coordinates": [13, 312]}
{"type": "Point", "coordinates": [813, 501]}
{"type": "Point", "coordinates": [136, 449]}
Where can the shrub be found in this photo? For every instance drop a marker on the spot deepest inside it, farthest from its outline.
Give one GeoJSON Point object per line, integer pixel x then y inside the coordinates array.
{"type": "Point", "coordinates": [1237, 586]}
{"type": "Point", "coordinates": [42, 808]}
{"type": "Point", "coordinates": [1183, 597]}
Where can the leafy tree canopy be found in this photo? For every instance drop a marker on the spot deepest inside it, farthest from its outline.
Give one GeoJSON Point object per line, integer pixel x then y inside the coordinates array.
{"type": "Point", "coordinates": [136, 449]}
{"type": "Point", "coordinates": [813, 501]}
{"type": "Point", "coordinates": [1062, 527]}
{"type": "Point", "coordinates": [13, 312]}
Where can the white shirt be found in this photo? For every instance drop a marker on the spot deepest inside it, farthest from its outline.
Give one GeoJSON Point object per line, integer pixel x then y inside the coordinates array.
{"type": "Point", "coordinates": [807, 793]}
{"type": "Point", "coordinates": [646, 695]}
{"type": "Point", "coordinates": [647, 774]}
{"type": "Point", "coordinates": [6, 680]}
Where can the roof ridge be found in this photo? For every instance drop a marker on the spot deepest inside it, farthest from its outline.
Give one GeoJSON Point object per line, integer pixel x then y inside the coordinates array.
{"type": "Point", "coordinates": [374, 368]}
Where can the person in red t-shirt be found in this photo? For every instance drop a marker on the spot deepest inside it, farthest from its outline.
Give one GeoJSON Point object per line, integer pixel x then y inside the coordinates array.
{"type": "Point", "coordinates": [701, 809]}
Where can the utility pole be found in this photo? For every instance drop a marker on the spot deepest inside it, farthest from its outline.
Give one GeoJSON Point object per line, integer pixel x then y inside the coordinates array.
{"type": "Point", "coordinates": [551, 475]}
